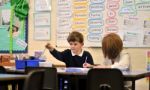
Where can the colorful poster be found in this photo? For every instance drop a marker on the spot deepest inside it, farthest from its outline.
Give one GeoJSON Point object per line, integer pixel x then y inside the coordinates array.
{"type": "Point", "coordinates": [96, 18]}
{"type": "Point", "coordinates": [19, 31]}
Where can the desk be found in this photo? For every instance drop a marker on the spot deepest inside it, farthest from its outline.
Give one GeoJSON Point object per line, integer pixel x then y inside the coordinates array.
{"type": "Point", "coordinates": [128, 75]}
{"type": "Point", "coordinates": [135, 75]}
{"type": "Point", "coordinates": [13, 79]}
{"type": "Point", "coordinates": [82, 73]}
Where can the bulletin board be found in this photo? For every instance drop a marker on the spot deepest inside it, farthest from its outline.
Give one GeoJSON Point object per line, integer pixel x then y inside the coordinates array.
{"type": "Point", "coordinates": [130, 19]}
{"type": "Point", "coordinates": [19, 31]}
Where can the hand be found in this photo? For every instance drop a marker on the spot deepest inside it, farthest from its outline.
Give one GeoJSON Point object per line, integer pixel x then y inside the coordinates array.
{"type": "Point", "coordinates": [101, 66]}
{"type": "Point", "coordinates": [49, 46]}
{"type": "Point", "coordinates": [87, 65]}
{"type": "Point", "coordinates": [98, 66]}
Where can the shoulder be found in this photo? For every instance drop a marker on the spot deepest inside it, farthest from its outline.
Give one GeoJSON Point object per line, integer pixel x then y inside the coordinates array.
{"type": "Point", "coordinates": [124, 53]}
{"type": "Point", "coordinates": [67, 51]}
{"type": "Point", "coordinates": [86, 53]}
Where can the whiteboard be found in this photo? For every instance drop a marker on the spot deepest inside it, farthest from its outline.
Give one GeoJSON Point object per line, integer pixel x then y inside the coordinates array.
{"type": "Point", "coordinates": [130, 19]}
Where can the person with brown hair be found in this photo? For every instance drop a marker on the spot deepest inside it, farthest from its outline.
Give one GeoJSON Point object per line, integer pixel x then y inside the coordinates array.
{"type": "Point", "coordinates": [75, 56]}
{"type": "Point", "coordinates": [114, 57]}
{"type": "Point", "coordinates": [112, 47]}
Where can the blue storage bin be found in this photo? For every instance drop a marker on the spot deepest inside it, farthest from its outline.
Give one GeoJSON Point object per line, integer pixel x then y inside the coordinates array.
{"type": "Point", "coordinates": [33, 63]}
{"type": "Point", "coordinates": [20, 64]}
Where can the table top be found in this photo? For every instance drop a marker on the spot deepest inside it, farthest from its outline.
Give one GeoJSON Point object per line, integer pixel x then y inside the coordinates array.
{"type": "Point", "coordinates": [137, 74]}
{"type": "Point", "coordinates": [4, 77]}
{"type": "Point", "coordinates": [84, 71]}
{"type": "Point", "coordinates": [128, 75]}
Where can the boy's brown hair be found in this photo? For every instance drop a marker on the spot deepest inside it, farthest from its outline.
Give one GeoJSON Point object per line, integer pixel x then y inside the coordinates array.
{"type": "Point", "coordinates": [112, 46]}
{"type": "Point", "coordinates": [75, 36]}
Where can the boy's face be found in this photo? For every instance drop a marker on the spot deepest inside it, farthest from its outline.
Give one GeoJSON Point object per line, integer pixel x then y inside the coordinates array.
{"type": "Point", "coordinates": [76, 47]}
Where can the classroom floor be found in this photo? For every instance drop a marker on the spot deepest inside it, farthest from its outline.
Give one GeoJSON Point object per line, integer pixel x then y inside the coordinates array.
{"type": "Point", "coordinates": [142, 84]}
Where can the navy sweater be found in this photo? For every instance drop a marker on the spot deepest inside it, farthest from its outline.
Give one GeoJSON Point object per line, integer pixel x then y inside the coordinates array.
{"type": "Point", "coordinates": [72, 61]}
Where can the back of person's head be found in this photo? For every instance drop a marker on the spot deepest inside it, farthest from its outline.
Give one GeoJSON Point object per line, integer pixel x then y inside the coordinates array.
{"type": "Point", "coordinates": [112, 46]}
{"type": "Point", "coordinates": [75, 36]}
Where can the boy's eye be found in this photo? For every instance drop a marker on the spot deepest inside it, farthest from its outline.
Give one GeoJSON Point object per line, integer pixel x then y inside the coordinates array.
{"type": "Point", "coordinates": [71, 43]}
{"type": "Point", "coordinates": [75, 44]}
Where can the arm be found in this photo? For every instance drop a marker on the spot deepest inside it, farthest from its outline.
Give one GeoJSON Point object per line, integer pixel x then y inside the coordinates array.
{"type": "Point", "coordinates": [58, 55]}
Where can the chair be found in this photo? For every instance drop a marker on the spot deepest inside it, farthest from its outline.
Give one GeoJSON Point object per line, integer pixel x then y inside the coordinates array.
{"type": "Point", "coordinates": [3, 71]}
{"type": "Point", "coordinates": [34, 80]}
{"type": "Point", "coordinates": [105, 79]}
{"type": "Point", "coordinates": [50, 77]}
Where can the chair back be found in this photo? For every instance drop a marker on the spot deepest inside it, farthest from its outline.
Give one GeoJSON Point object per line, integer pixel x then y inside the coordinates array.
{"type": "Point", "coordinates": [2, 69]}
{"type": "Point", "coordinates": [50, 77]}
{"type": "Point", "coordinates": [34, 80]}
{"type": "Point", "coordinates": [105, 79]}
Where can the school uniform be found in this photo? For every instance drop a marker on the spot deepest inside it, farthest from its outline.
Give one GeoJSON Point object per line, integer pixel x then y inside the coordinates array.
{"type": "Point", "coordinates": [72, 60]}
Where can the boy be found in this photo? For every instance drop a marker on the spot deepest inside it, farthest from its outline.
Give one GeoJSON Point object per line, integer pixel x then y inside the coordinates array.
{"type": "Point", "coordinates": [75, 56]}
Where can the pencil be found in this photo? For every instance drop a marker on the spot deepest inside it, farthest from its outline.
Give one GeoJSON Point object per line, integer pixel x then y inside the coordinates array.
{"type": "Point", "coordinates": [85, 60]}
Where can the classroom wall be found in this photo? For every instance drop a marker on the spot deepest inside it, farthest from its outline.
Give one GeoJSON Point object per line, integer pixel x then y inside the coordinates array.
{"type": "Point", "coordinates": [138, 58]}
